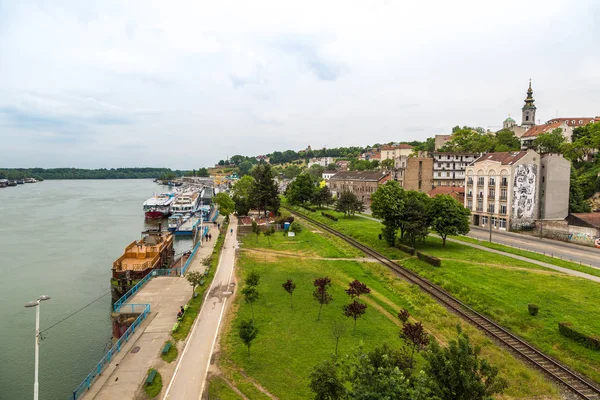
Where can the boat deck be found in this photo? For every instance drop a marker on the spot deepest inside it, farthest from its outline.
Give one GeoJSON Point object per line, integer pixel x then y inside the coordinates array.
{"type": "Point", "coordinates": [188, 227]}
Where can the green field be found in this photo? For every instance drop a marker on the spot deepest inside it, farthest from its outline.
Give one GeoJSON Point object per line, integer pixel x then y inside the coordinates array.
{"type": "Point", "coordinates": [501, 287]}
{"type": "Point", "coordinates": [291, 340]}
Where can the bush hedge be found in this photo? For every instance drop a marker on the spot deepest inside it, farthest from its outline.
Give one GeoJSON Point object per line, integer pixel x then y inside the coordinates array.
{"type": "Point", "coordinates": [533, 309]}
{"type": "Point", "coordinates": [567, 330]}
{"type": "Point", "coordinates": [309, 208]}
{"type": "Point", "coordinates": [406, 249]}
{"type": "Point", "coordinates": [331, 217]}
{"type": "Point", "coordinates": [436, 262]}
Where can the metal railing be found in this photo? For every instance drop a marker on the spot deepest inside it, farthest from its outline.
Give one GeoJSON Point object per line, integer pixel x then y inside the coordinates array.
{"type": "Point", "coordinates": [131, 292]}
{"type": "Point", "coordinates": [189, 260]}
{"type": "Point", "coordinates": [116, 349]}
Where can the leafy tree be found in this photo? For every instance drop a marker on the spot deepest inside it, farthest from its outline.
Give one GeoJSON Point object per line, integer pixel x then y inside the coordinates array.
{"type": "Point", "coordinates": [337, 331]}
{"type": "Point", "coordinates": [387, 204]}
{"type": "Point", "coordinates": [203, 173]}
{"type": "Point", "coordinates": [355, 310]}
{"type": "Point", "coordinates": [268, 233]}
{"type": "Point", "coordinates": [323, 196]}
{"type": "Point", "coordinates": [316, 171]}
{"type": "Point", "coordinates": [356, 288]}
{"type": "Point", "coordinates": [291, 171]}
{"type": "Point", "coordinates": [331, 167]}
{"type": "Point", "coordinates": [469, 140]}
{"type": "Point", "coordinates": [321, 294]}
{"type": "Point", "coordinates": [255, 229]}
{"type": "Point", "coordinates": [403, 315]}
{"type": "Point", "coordinates": [448, 216]}
{"type": "Point", "coordinates": [301, 190]}
{"type": "Point", "coordinates": [415, 218]}
{"type": "Point", "coordinates": [265, 190]}
{"type": "Point", "coordinates": [388, 164]}
{"type": "Point", "coordinates": [577, 200]}
{"type": "Point", "coordinates": [457, 372]}
{"type": "Point", "coordinates": [225, 203]}
{"type": "Point", "coordinates": [245, 168]}
{"type": "Point", "coordinates": [248, 333]}
{"type": "Point", "coordinates": [289, 286]}
{"type": "Point", "coordinates": [221, 162]}
{"type": "Point", "coordinates": [550, 142]}
{"type": "Point", "coordinates": [505, 140]}
{"type": "Point", "coordinates": [348, 203]}
{"type": "Point", "coordinates": [250, 295]}
{"type": "Point", "coordinates": [253, 278]}
{"type": "Point", "coordinates": [415, 336]}
{"type": "Point", "coordinates": [242, 194]}
{"type": "Point", "coordinates": [326, 383]}
{"type": "Point", "coordinates": [194, 278]}
{"type": "Point", "coordinates": [296, 227]}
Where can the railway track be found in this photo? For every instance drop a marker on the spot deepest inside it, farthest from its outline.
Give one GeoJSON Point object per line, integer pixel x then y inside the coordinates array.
{"type": "Point", "coordinates": [577, 384]}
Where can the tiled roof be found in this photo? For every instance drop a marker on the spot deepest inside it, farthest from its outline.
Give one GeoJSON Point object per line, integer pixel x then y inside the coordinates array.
{"type": "Point", "coordinates": [539, 129]}
{"type": "Point", "coordinates": [446, 190]}
{"type": "Point", "coordinates": [576, 121]}
{"type": "Point", "coordinates": [372, 176]}
{"type": "Point", "coordinates": [592, 219]}
{"type": "Point", "coordinates": [504, 158]}
{"type": "Point", "coordinates": [401, 146]}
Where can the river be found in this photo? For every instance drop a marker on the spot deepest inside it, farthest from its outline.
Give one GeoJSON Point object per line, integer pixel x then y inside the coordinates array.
{"type": "Point", "coordinates": [59, 238]}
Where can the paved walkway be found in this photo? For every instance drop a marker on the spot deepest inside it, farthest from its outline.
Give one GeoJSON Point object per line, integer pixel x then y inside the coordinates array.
{"type": "Point", "coordinates": [529, 260]}
{"type": "Point", "coordinates": [190, 374]}
{"type": "Point", "coordinates": [165, 295]}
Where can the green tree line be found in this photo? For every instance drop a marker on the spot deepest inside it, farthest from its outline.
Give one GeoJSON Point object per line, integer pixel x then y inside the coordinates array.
{"type": "Point", "coordinates": [80, 173]}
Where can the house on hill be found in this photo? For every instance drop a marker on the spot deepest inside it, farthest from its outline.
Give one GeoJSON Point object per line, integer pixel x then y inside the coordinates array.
{"type": "Point", "coordinates": [362, 183]}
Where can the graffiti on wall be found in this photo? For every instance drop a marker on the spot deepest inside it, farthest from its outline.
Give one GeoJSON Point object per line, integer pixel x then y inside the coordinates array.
{"type": "Point", "coordinates": [524, 191]}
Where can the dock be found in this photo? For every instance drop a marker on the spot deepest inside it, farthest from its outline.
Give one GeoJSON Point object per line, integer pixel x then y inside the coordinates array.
{"type": "Point", "coordinates": [188, 227]}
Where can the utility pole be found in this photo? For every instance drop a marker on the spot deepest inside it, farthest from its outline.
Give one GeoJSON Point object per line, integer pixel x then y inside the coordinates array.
{"type": "Point", "coordinates": [36, 304]}
{"type": "Point", "coordinates": [490, 210]}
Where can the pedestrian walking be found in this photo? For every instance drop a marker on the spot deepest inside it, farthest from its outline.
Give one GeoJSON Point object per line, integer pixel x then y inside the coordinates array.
{"type": "Point", "coordinates": [231, 231]}
{"type": "Point", "coordinates": [218, 226]}
{"type": "Point", "coordinates": [209, 237]}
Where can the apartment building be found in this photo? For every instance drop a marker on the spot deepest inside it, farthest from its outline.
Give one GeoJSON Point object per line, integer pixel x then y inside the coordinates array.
{"type": "Point", "coordinates": [449, 168]}
{"type": "Point", "coordinates": [511, 190]}
{"type": "Point", "coordinates": [414, 173]}
{"type": "Point", "coordinates": [362, 183]}
{"type": "Point", "coordinates": [391, 152]}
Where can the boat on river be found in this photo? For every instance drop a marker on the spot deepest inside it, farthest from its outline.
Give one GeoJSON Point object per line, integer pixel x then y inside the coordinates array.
{"type": "Point", "coordinates": [187, 202]}
{"type": "Point", "coordinates": [175, 222]}
{"type": "Point", "coordinates": [159, 206]}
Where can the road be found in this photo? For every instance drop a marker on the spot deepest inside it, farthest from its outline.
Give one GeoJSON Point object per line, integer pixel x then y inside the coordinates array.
{"type": "Point", "coordinates": [190, 374]}
{"type": "Point", "coordinates": [567, 251]}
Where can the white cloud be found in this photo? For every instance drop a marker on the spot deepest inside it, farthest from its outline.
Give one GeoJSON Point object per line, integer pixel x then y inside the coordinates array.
{"type": "Point", "coordinates": [182, 84]}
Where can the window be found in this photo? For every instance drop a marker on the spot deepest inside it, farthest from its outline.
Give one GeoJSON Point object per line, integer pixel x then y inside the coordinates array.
{"type": "Point", "coordinates": [503, 209]}
{"type": "Point", "coordinates": [470, 204]}
{"type": "Point", "coordinates": [502, 223]}
{"type": "Point", "coordinates": [484, 220]}
{"type": "Point", "coordinates": [439, 174]}
{"type": "Point", "coordinates": [543, 179]}
{"type": "Point", "coordinates": [448, 174]}
{"type": "Point", "coordinates": [492, 193]}
{"type": "Point", "coordinates": [527, 117]}
{"type": "Point", "coordinates": [470, 193]}
{"type": "Point", "coordinates": [503, 192]}
{"type": "Point", "coordinates": [494, 222]}
{"type": "Point", "coordinates": [480, 180]}
{"type": "Point", "coordinates": [419, 184]}
{"type": "Point", "coordinates": [491, 208]}
{"type": "Point", "coordinates": [504, 181]}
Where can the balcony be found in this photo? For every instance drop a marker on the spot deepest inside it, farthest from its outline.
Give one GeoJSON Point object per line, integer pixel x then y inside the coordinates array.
{"type": "Point", "coordinates": [504, 183]}
{"type": "Point", "coordinates": [479, 209]}
{"type": "Point", "coordinates": [503, 197]}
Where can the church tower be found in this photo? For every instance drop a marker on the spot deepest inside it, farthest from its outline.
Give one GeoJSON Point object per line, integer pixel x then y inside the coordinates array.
{"type": "Point", "coordinates": [528, 118]}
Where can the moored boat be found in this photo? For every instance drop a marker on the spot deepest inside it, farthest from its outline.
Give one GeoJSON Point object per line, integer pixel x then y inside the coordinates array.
{"type": "Point", "coordinates": [3, 183]}
{"type": "Point", "coordinates": [187, 202]}
{"type": "Point", "coordinates": [12, 183]}
{"type": "Point", "coordinates": [158, 206]}
{"type": "Point", "coordinates": [175, 221]}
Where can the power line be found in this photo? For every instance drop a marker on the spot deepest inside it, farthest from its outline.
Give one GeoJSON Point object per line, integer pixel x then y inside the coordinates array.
{"type": "Point", "coordinates": [73, 313]}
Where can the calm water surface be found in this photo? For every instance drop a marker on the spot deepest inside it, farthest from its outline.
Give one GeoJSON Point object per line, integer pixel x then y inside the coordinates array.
{"type": "Point", "coordinates": [60, 238]}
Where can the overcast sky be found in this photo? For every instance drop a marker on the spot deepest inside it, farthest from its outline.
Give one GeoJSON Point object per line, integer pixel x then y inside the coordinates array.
{"type": "Point", "coordinates": [183, 84]}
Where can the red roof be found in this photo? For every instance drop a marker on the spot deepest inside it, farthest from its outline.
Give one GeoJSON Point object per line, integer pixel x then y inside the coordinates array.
{"type": "Point", "coordinates": [539, 129]}
{"type": "Point", "coordinates": [397, 146]}
{"type": "Point", "coordinates": [592, 219]}
{"type": "Point", "coordinates": [446, 190]}
{"type": "Point", "coordinates": [504, 158]}
{"type": "Point", "coordinates": [576, 121]}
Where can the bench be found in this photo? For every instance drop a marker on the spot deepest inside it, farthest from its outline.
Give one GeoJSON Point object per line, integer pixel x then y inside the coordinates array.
{"type": "Point", "coordinates": [175, 327]}
{"type": "Point", "coordinates": [202, 282]}
{"type": "Point", "coordinates": [196, 294]}
{"type": "Point", "coordinates": [167, 347]}
{"type": "Point", "coordinates": [150, 377]}
{"type": "Point", "coordinates": [206, 272]}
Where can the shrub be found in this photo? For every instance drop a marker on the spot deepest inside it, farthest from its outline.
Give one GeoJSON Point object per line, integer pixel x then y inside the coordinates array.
{"type": "Point", "coordinates": [567, 330]}
{"type": "Point", "coordinates": [331, 217]}
{"type": "Point", "coordinates": [309, 208]}
{"type": "Point", "coordinates": [406, 249]}
{"type": "Point", "coordinates": [533, 309]}
{"type": "Point", "coordinates": [436, 262]}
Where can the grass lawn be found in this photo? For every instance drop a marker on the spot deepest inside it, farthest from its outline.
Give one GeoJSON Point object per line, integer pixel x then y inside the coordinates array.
{"type": "Point", "coordinates": [534, 256]}
{"type": "Point", "coordinates": [219, 390]}
{"type": "Point", "coordinates": [291, 341]}
{"type": "Point", "coordinates": [171, 354]}
{"type": "Point", "coordinates": [195, 303]}
{"type": "Point", "coordinates": [501, 287]}
{"type": "Point", "coordinates": [152, 390]}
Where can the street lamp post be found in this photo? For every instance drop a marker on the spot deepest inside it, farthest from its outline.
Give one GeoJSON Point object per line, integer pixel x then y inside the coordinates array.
{"type": "Point", "coordinates": [36, 304]}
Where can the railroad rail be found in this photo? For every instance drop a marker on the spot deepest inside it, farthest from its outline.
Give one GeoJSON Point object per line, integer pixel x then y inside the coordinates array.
{"type": "Point", "coordinates": [577, 384]}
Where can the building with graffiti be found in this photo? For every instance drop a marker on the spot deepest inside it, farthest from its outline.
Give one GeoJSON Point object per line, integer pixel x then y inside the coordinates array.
{"type": "Point", "coordinates": [511, 190]}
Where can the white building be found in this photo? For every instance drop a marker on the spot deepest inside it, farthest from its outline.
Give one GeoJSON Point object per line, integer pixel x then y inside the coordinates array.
{"type": "Point", "coordinates": [449, 168]}
{"type": "Point", "coordinates": [327, 175]}
{"type": "Point", "coordinates": [322, 161]}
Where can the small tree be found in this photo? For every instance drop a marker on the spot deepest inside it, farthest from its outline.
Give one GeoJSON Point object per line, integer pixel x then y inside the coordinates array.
{"type": "Point", "coordinates": [355, 310]}
{"type": "Point", "coordinates": [225, 203]}
{"type": "Point", "coordinates": [194, 279]}
{"type": "Point", "coordinates": [348, 203]}
{"type": "Point", "coordinates": [255, 229]}
{"type": "Point", "coordinates": [403, 316]}
{"type": "Point", "coordinates": [253, 278]}
{"type": "Point", "coordinates": [289, 287]}
{"type": "Point", "coordinates": [448, 216]}
{"type": "Point", "coordinates": [356, 288]}
{"type": "Point", "coordinates": [478, 379]}
{"type": "Point", "coordinates": [326, 383]}
{"type": "Point", "coordinates": [268, 233]}
{"type": "Point", "coordinates": [296, 227]}
{"type": "Point", "coordinates": [416, 337]}
{"type": "Point", "coordinates": [321, 294]}
{"type": "Point", "coordinates": [250, 295]}
{"type": "Point", "coordinates": [337, 330]}
{"type": "Point", "coordinates": [248, 333]}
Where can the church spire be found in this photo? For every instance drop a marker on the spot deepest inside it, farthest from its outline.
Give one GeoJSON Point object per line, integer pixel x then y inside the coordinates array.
{"type": "Point", "coordinates": [529, 108]}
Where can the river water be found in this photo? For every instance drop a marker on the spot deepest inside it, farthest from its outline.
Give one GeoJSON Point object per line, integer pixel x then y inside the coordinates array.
{"type": "Point", "coordinates": [59, 238]}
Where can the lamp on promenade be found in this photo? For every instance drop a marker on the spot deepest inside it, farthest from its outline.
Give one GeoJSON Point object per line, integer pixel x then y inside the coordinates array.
{"type": "Point", "coordinates": [37, 340]}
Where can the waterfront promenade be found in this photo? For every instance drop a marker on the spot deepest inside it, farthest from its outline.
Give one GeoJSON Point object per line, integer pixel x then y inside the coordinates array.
{"type": "Point", "coordinates": [125, 375]}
